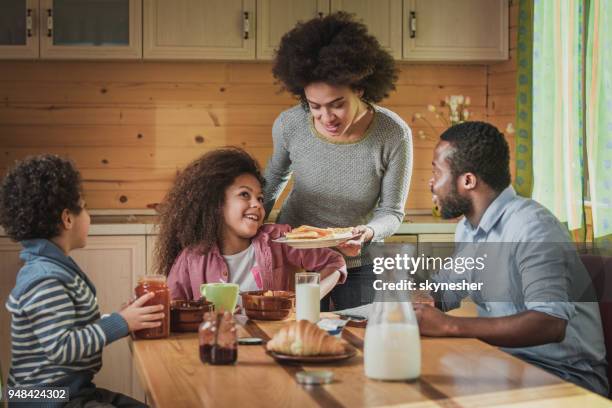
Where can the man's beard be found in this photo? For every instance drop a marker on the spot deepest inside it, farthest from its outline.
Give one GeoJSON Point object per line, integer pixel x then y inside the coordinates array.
{"type": "Point", "coordinates": [453, 205]}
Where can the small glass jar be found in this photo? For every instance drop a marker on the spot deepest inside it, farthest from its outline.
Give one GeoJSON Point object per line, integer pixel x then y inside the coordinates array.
{"type": "Point", "coordinates": [218, 339]}
{"type": "Point", "coordinates": [157, 285]}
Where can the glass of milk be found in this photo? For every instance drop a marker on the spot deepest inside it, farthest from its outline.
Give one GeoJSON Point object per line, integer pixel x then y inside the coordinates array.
{"type": "Point", "coordinates": [392, 346]}
{"type": "Point", "coordinates": [307, 296]}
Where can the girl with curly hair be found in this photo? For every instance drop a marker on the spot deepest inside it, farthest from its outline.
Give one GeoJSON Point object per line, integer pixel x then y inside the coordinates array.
{"type": "Point", "coordinates": [211, 230]}
{"type": "Point", "coordinates": [351, 159]}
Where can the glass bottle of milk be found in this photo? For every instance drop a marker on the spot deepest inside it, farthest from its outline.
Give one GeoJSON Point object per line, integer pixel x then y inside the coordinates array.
{"type": "Point", "coordinates": [392, 346]}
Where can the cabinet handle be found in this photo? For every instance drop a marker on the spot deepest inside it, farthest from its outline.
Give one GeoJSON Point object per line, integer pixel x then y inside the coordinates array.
{"type": "Point", "coordinates": [246, 25]}
{"type": "Point", "coordinates": [412, 24]}
{"type": "Point", "coordinates": [49, 23]}
{"type": "Point", "coordinates": [29, 22]}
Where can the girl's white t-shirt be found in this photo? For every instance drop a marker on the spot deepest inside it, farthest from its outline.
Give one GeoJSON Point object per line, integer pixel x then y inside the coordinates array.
{"type": "Point", "coordinates": [240, 267]}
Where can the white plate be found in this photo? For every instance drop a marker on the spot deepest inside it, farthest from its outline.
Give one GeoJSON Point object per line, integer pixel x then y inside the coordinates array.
{"type": "Point", "coordinates": [329, 242]}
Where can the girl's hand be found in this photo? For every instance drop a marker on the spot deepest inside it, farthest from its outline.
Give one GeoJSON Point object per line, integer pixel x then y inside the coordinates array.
{"type": "Point", "coordinates": [140, 317]}
{"type": "Point", "coordinates": [353, 246]}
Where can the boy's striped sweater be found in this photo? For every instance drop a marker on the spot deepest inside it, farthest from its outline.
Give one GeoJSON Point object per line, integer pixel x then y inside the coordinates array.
{"type": "Point", "coordinates": [57, 333]}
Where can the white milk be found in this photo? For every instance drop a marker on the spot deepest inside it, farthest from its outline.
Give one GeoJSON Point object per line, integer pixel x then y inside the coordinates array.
{"type": "Point", "coordinates": [392, 351]}
{"type": "Point", "coordinates": [307, 302]}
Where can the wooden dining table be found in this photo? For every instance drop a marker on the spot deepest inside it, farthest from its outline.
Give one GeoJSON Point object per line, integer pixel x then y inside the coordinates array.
{"type": "Point", "coordinates": [454, 373]}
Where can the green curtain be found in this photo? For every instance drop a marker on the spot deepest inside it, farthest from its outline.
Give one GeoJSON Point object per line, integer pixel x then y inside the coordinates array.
{"type": "Point", "coordinates": [557, 111]}
{"type": "Point", "coordinates": [523, 181]}
{"type": "Point", "coordinates": [599, 117]}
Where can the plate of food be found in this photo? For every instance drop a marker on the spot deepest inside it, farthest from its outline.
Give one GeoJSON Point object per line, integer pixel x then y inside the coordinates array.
{"type": "Point", "coordinates": [305, 342]}
{"type": "Point", "coordinates": [307, 237]}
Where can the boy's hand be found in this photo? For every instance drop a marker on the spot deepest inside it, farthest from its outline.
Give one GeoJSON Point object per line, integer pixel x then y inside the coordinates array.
{"type": "Point", "coordinates": [129, 302]}
{"type": "Point", "coordinates": [140, 317]}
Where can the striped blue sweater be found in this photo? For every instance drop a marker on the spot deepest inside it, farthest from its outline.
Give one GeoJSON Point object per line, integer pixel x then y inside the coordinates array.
{"type": "Point", "coordinates": [57, 333]}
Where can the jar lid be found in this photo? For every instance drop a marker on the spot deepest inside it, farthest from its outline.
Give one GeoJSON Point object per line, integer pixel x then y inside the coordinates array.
{"type": "Point", "coordinates": [314, 377]}
{"type": "Point", "coordinates": [151, 278]}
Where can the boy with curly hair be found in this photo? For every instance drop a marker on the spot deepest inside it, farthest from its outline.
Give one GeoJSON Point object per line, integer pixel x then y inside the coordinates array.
{"type": "Point", "coordinates": [57, 332]}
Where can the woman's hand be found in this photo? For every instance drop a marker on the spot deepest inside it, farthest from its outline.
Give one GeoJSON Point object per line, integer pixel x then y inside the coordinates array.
{"type": "Point", "coordinates": [353, 246]}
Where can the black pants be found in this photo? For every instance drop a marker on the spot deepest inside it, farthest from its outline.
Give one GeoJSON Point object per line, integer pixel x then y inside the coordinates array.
{"type": "Point", "coordinates": [100, 397]}
{"type": "Point", "coordinates": [356, 291]}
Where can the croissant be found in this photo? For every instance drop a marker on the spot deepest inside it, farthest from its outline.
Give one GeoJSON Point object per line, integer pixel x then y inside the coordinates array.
{"type": "Point", "coordinates": [304, 339]}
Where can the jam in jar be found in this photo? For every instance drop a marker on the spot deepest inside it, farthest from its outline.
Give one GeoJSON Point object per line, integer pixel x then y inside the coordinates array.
{"type": "Point", "coordinates": [218, 339]}
{"type": "Point", "coordinates": [157, 285]}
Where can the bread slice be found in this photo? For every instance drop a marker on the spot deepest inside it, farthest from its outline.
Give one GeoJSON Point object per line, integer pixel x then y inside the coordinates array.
{"type": "Point", "coordinates": [302, 235]}
{"type": "Point", "coordinates": [308, 232]}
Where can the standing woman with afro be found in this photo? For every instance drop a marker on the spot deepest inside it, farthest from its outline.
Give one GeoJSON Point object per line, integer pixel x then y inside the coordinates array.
{"type": "Point", "coordinates": [351, 159]}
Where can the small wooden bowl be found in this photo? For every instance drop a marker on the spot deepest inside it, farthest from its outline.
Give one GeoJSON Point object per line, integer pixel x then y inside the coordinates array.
{"type": "Point", "coordinates": [280, 314]}
{"type": "Point", "coordinates": [280, 300]}
{"type": "Point", "coordinates": [186, 315]}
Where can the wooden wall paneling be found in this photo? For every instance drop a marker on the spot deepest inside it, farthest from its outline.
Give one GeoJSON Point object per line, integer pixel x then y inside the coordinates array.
{"type": "Point", "coordinates": [150, 136]}
{"type": "Point", "coordinates": [501, 87]}
{"type": "Point", "coordinates": [137, 71]}
{"type": "Point", "coordinates": [138, 93]}
{"type": "Point", "coordinates": [502, 104]}
{"type": "Point", "coordinates": [20, 92]}
{"type": "Point", "coordinates": [502, 83]}
{"type": "Point", "coordinates": [212, 115]}
{"type": "Point", "coordinates": [441, 75]}
{"type": "Point", "coordinates": [506, 66]}
{"type": "Point", "coordinates": [136, 114]}
{"type": "Point", "coordinates": [141, 158]}
{"type": "Point", "coordinates": [130, 126]}
{"type": "Point", "coordinates": [122, 158]}
{"type": "Point", "coordinates": [409, 74]}
{"type": "Point", "coordinates": [144, 136]}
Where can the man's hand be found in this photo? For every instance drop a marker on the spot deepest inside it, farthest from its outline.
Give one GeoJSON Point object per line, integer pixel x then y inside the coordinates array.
{"type": "Point", "coordinates": [526, 329]}
{"type": "Point", "coordinates": [422, 296]}
{"type": "Point", "coordinates": [140, 317]}
{"type": "Point", "coordinates": [432, 322]}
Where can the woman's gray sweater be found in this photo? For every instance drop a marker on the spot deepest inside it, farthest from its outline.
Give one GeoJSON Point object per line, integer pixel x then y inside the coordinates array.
{"type": "Point", "coordinates": [341, 185]}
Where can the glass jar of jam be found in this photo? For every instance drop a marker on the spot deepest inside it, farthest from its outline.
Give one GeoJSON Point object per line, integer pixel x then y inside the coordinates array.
{"type": "Point", "coordinates": [157, 285]}
{"type": "Point", "coordinates": [218, 339]}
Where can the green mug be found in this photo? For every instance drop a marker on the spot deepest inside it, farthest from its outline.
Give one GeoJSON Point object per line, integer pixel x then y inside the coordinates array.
{"type": "Point", "coordinates": [223, 295]}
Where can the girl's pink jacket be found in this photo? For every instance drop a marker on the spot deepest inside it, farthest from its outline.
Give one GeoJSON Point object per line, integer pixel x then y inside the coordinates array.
{"type": "Point", "coordinates": [276, 264]}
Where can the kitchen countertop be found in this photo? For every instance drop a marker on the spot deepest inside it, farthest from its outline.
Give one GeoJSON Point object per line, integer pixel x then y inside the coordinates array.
{"type": "Point", "coordinates": [144, 222]}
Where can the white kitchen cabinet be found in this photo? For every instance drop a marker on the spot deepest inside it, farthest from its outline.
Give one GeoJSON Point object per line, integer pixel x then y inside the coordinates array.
{"type": "Point", "coordinates": [196, 29]}
{"type": "Point", "coordinates": [71, 29]}
{"type": "Point", "coordinates": [90, 29]}
{"type": "Point", "coordinates": [452, 30]}
{"type": "Point", "coordinates": [9, 266]}
{"type": "Point", "coordinates": [18, 29]}
{"type": "Point", "coordinates": [113, 263]}
{"type": "Point", "coordinates": [151, 242]}
{"type": "Point", "coordinates": [382, 17]}
{"type": "Point", "coordinates": [276, 17]}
